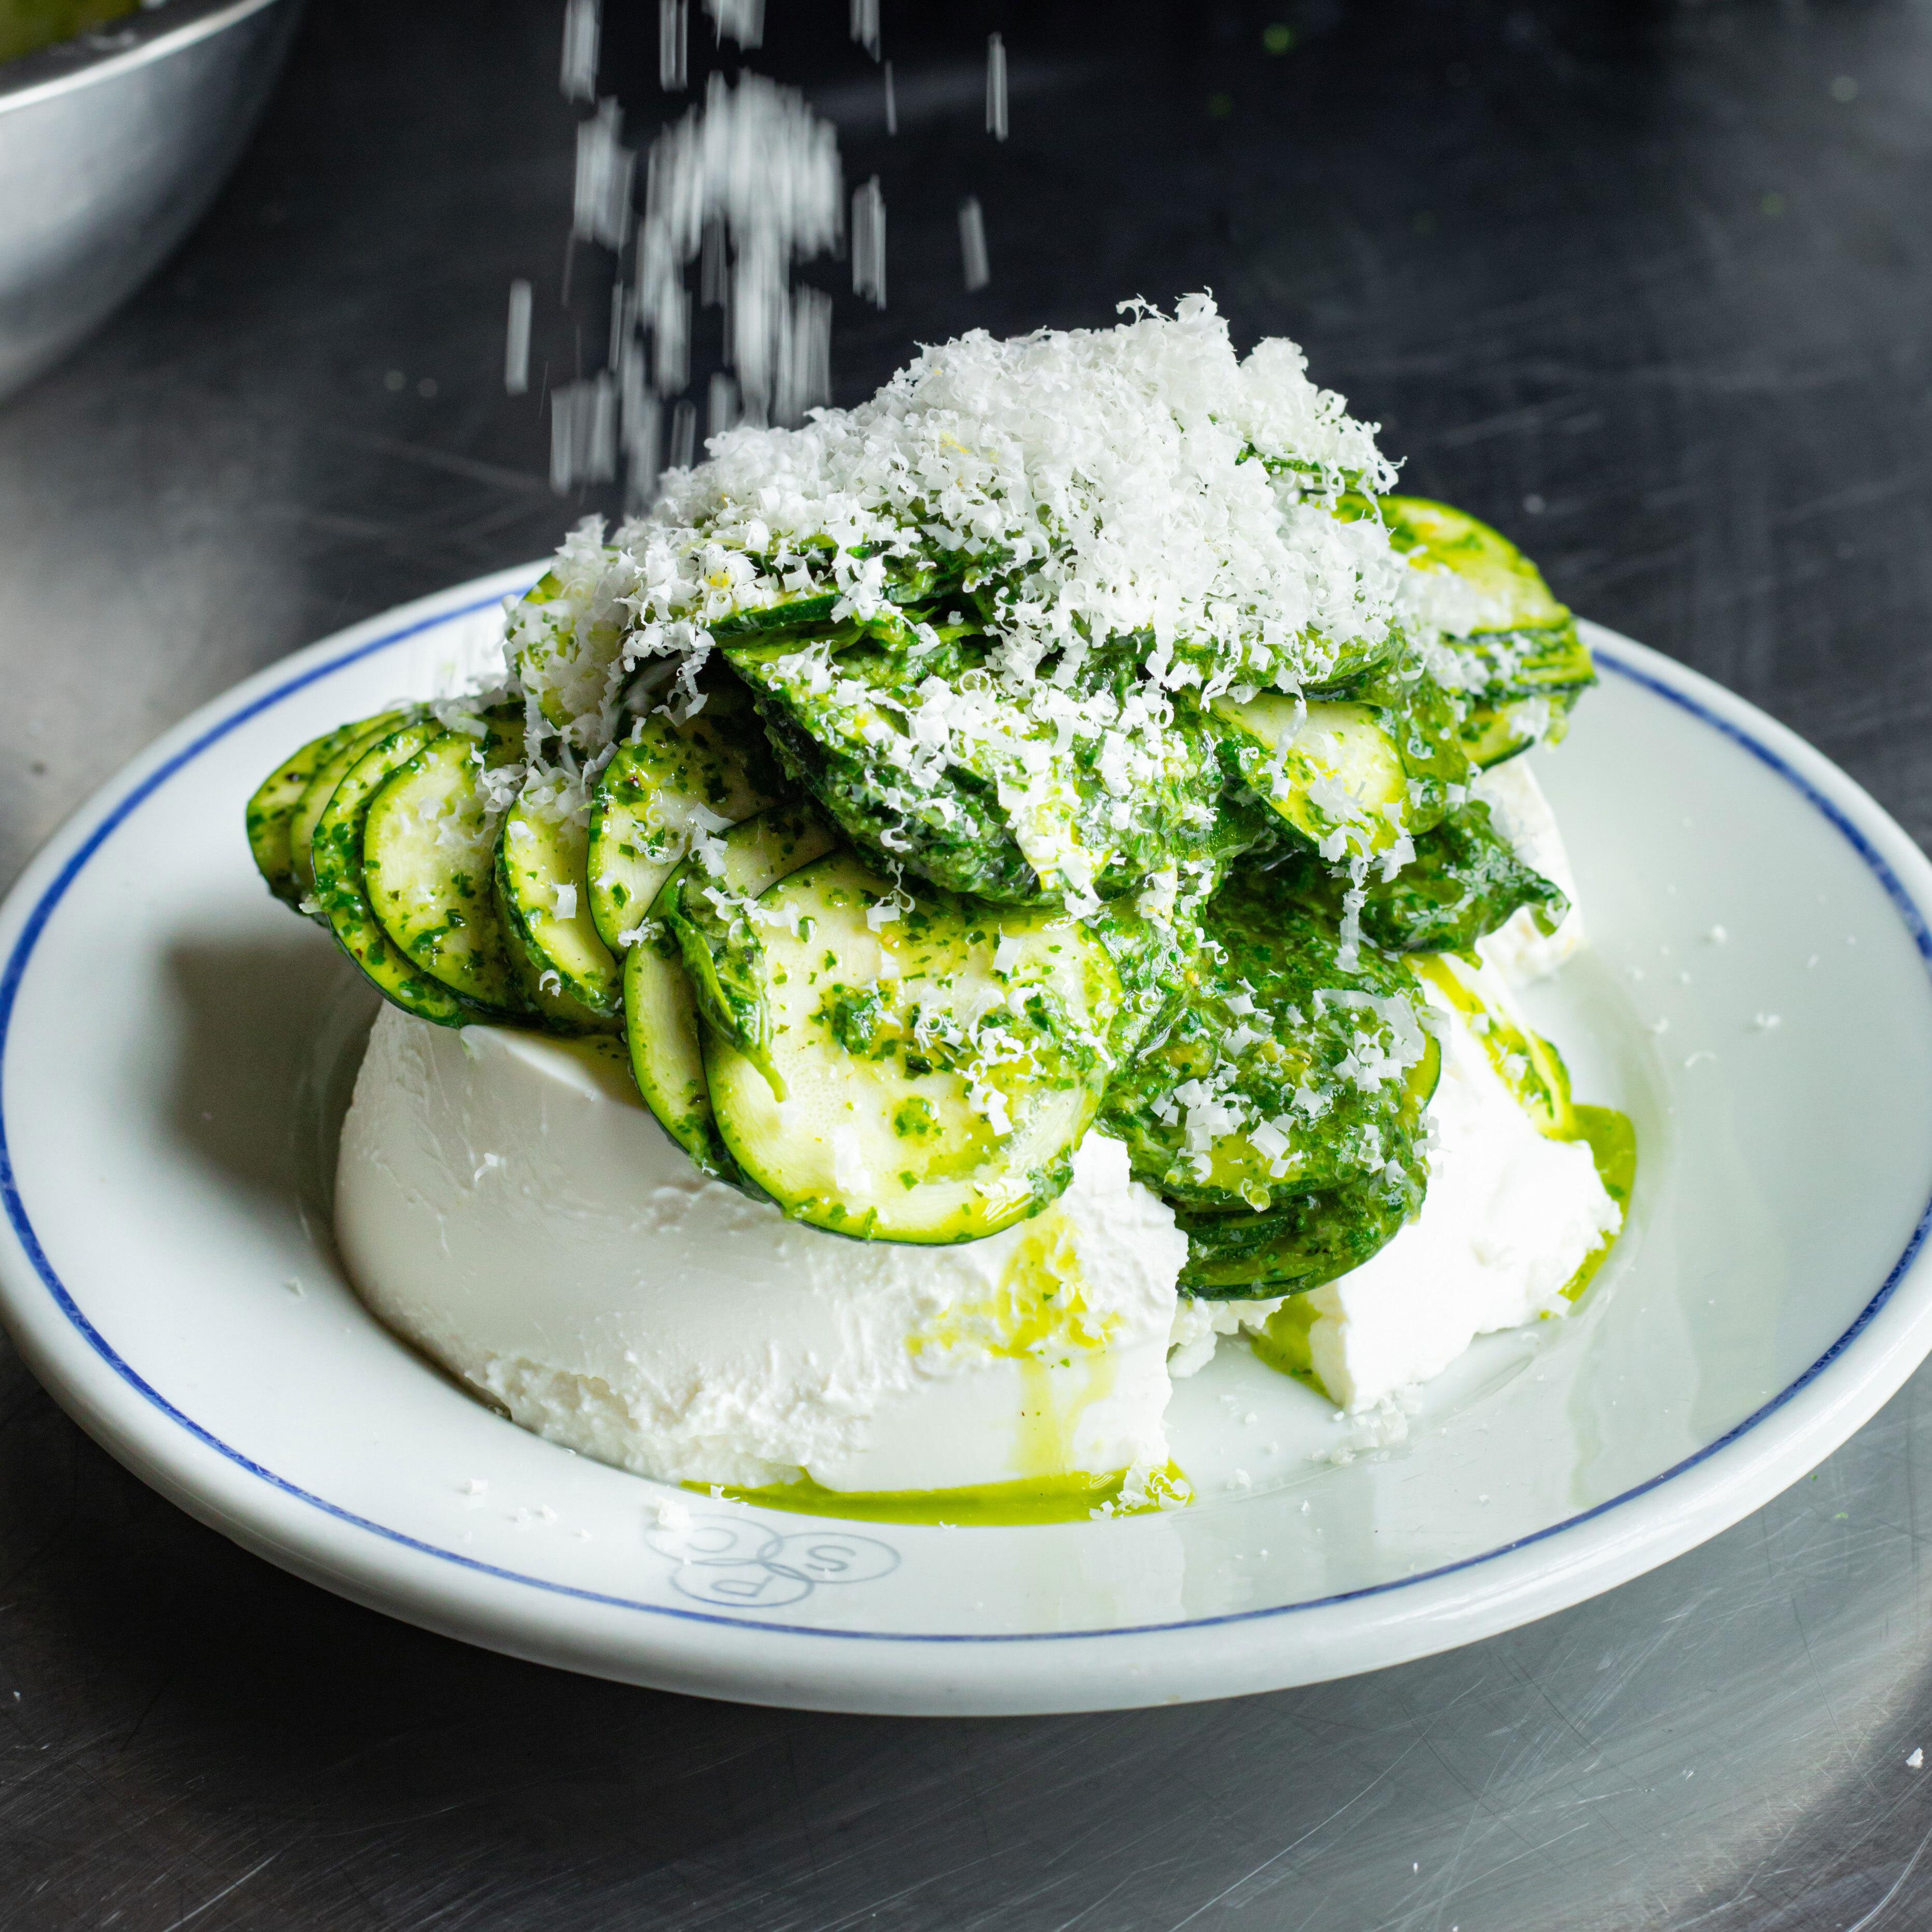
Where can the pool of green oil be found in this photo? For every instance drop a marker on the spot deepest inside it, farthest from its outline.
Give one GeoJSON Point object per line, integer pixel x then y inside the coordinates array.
{"type": "Point", "coordinates": [1283, 1345]}
{"type": "Point", "coordinates": [1031, 1500]}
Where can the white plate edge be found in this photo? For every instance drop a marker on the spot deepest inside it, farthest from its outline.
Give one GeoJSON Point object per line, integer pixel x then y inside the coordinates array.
{"type": "Point", "coordinates": [882, 1672]}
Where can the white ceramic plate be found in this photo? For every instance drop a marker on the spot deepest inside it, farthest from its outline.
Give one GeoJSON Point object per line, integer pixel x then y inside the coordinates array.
{"type": "Point", "coordinates": [172, 1044]}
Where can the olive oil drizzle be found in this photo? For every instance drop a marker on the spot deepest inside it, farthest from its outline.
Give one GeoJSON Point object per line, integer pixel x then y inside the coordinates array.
{"type": "Point", "coordinates": [1030, 1500]}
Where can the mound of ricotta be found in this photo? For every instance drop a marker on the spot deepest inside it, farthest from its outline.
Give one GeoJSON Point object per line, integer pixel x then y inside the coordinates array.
{"type": "Point", "coordinates": [504, 1201]}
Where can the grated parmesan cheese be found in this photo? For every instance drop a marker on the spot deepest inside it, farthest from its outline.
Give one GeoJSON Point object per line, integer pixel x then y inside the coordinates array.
{"type": "Point", "coordinates": [1141, 487]}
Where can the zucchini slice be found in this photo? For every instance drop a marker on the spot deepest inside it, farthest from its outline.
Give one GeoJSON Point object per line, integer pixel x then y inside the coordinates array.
{"type": "Point", "coordinates": [1009, 817]}
{"type": "Point", "coordinates": [426, 853]}
{"type": "Point", "coordinates": [1509, 589]}
{"type": "Point", "coordinates": [330, 770]}
{"type": "Point", "coordinates": [544, 899]}
{"type": "Point", "coordinates": [271, 811]}
{"type": "Point", "coordinates": [666, 1058]}
{"type": "Point", "coordinates": [708, 906]}
{"type": "Point", "coordinates": [1331, 770]}
{"type": "Point", "coordinates": [337, 854]}
{"type": "Point", "coordinates": [939, 1062]}
{"type": "Point", "coordinates": [1527, 664]}
{"type": "Point", "coordinates": [1530, 1066]}
{"type": "Point", "coordinates": [1495, 731]}
{"type": "Point", "coordinates": [832, 739]}
{"type": "Point", "coordinates": [562, 659]}
{"type": "Point", "coordinates": [909, 581]}
{"type": "Point", "coordinates": [1299, 1243]}
{"type": "Point", "coordinates": [660, 1011]}
{"type": "Point", "coordinates": [789, 610]}
{"type": "Point", "coordinates": [667, 781]}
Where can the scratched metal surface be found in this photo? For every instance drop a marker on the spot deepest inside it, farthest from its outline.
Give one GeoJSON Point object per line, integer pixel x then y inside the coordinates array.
{"type": "Point", "coordinates": [1651, 286]}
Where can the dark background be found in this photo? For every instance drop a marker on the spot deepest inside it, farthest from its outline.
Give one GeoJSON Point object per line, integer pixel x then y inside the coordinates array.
{"type": "Point", "coordinates": [1647, 285]}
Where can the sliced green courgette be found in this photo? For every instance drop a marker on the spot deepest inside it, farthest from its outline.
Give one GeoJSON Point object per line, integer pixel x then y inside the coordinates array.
{"type": "Point", "coordinates": [909, 581]}
{"type": "Point", "coordinates": [1526, 662]}
{"type": "Point", "coordinates": [660, 1012]}
{"type": "Point", "coordinates": [563, 654]}
{"type": "Point", "coordinates": [1303, 1240]}
{"type": "Point", "coordinates": [1013, 815]}
{"type": "Point", "coordinates": [710, 907]}
{"type": "Point", "coordinates": [939, 1061]}
{"type": "Point", "coordinates": [666, 1056]}
{"type": "Point", "coordinates": [788, 610]}
{"type": "Point", "coordinates": [427, 850]}
{"type": "Point", "coordinates": [271, 812]}
{"type": "Point", "coordinates": [1330, 769]}
{"type": "Point", "coordinates": [330, 771]}
{"type": "Point", "coordinates": [1496, 730]}
{"type": "Point", "coordinates": [342, 897]}
{"type": "Point", "coordinates": [1530, 1066]}
{"type": "Point", "coordinates": [544, 899]}
{"type": "Point", "coordinates": [667, 782]}
{"type": "Point", "coordinates": [837, 739]}
{"type": "Point", "coordinates": [1439, 537]}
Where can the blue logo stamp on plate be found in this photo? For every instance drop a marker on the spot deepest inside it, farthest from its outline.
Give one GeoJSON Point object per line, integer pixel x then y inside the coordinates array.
{"type": "Point", "coordinates": [727, 1560]}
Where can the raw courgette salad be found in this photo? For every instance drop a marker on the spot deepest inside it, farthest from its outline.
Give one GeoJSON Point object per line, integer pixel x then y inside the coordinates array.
{"type": "Point", "coordinates": [1081, 732]}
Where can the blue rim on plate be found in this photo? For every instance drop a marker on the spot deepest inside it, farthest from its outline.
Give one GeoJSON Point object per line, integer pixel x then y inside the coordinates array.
{"type": "Point", "coordinates": [35, 925]}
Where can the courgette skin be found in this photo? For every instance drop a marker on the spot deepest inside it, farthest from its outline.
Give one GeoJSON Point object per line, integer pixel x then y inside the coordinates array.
{"type": "Point", "coordinates": [1525, 664]}
{"type": "Point", "coordinates": [271, 811]}
{"type": "Point", "coordinates": [792, 612]}
{"type": "Point", "coordinates": [566, 973]}
{"type": "Point", "coordinates": [671, 779]}
{"type": "Point", "coordinates": [330, 771]}
{"type": "Point", "coordinates": [661, 1004]}
{"type": "Point", "coordinates": [910, 582]}
{"type": "Point", "coordinates": [428, 849]}
{"type": "Point", "coordinates": [1298, 1243]}
{"type": "Point", "coordinates": [342, 894]}
{"type": "Point", "coordinates": [661, 1030]}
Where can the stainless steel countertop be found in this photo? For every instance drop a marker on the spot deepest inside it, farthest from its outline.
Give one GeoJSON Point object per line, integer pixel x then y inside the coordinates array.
{"type": "Point", "coordinates": [1639, 282]}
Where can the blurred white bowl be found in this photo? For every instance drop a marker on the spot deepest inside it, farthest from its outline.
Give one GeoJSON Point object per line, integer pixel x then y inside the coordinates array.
{"type": "Point", "coordinates": [112, 146]}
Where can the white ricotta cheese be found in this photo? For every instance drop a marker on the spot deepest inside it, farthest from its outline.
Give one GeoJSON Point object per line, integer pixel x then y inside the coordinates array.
{"type": "Point", "coordinates": [506, 1203]}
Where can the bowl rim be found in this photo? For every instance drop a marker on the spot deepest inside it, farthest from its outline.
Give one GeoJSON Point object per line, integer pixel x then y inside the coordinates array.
{"type": "Point", "coordinates": [152, 32]}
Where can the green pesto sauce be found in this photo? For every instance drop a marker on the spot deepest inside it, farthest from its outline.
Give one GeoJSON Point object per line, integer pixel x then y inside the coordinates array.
{"type": "Point", "coordinates": [27, 25]}
{"type": "Point", "coordinates": [1039, 1499]}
